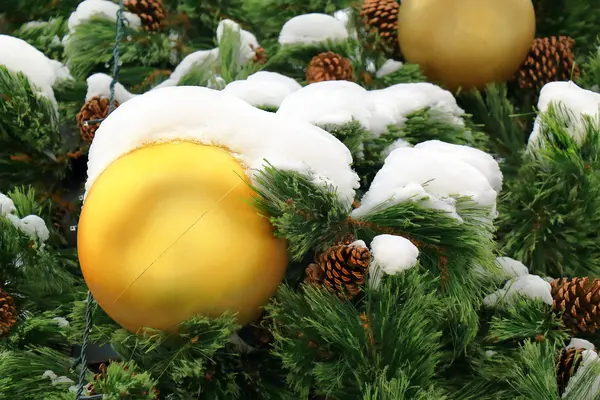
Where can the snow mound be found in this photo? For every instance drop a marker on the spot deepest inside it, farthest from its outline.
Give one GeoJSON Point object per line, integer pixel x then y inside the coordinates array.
{"type": "Point", "coordinates": [512, 267]}
{"type": "Point", "coordinates": [89, 9]}
{"type": "Point", "coordinates": [389, 67]}
{"type": "Point", "coordinates": [212, 117]}
{"type": "Point", "coordinates": [312, 28]}
{"type": "Point", "coordinates": [263, 88]}
{"type": "Point", "coordinates": [192, 60]}
{"type": "Point", "coordinates": [329, 102]}
{"type": "Point", "coordinates": [393, 254]}
{"type": "Point", "coordinates": [99, 86]}
{"type": "Point", "coordinates": [485, 163]}
{"type": "Point", "coordinates": [248, 42]}
{"type": "Point", "coordinates": [531, 286]}
{"type": "Point", "coordinates": [429, 177]}
{"type": "Point", "coordinates": [392, 105]}
{"type": "Point", "coordinates": [567, 98]}
{"type": "Point", "coordinates": [338, 102]}
{"type": "Point", "coordinates": [576, 343]}
{"type": "Point", "coordinates": [19, 56]}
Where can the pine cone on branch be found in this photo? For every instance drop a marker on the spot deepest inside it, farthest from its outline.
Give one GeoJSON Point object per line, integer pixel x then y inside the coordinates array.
{"type": "Point", "coordinates": [578, 300]}
{"type": "Point", "coordinates": [567, 365]}
{"type": "Point", "coordinates": [550, 59]}
{"type": "Point", "coordinates": [95, 108]}
{"type": "Point", "coordinates": [381, 17]}
{"type": "Point", "coordinates": [341, 269]}
{"type": "Point", "coordinates": [8, 312]}
{"type": "Point", "coordinates": [329, 66]}
{"type": "Point", "coordinates": [151, 12]}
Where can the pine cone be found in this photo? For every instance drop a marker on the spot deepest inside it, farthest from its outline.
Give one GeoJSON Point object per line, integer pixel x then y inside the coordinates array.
{"type": "Point", "coordinates": [8, 312]}
{"type": "Point", "coordinates": [342, 270]}
{"type": "Point", "coordinates": [94, 109]}
{"type": "Point", "coordinates": [381, 17]}
{"type": "Point", "coordinates": [550, 59]}
{"type": "Point", "coordinates": [329, 67]}
{"type": "Point", "coordinates": [578, 299]}
{"type": "Point", "coordinates": [151, 12]}
{"type": "Point", "coordinates": [260, 57]}
{"type": "Point", "coordinates": [567, 365]}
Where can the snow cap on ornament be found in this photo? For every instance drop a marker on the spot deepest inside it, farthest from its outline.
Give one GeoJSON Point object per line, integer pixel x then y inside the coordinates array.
{"type": "Point", "coordinates": [311, 29]}
{"type": "Point", "coordinates": [207, 116]}
{"type": "Point", "coordinates": [570, 102]}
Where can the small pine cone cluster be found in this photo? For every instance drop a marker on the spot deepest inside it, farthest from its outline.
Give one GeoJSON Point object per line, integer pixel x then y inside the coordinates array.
{"type": "Point", "coordinates": [381, 17]}
{"type": "Point", "coordinates": [8, 312]}
{"type": "Point", "coordinates": [578, 300]}
{"type": "Point", "coordinates": [260, 57]}
{"type": "Point", "coordinates": [151, 12]}
{"type": "Point", "coordinates": [329, 66]}
{"type": "Point", "coordinates": [94, 109]}
{"type": "Point", "coordinates": [341, 269]}
{"type": "Point", "coordinates": [566, 366]}
{"type": "Point", "coordinates": [550, 59]}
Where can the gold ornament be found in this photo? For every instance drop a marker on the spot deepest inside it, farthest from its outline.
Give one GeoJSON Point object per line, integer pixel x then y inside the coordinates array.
{"type": "Point", "coordinates": [466, 43]}
{"type": "Point", "coordinates": [167, 232]}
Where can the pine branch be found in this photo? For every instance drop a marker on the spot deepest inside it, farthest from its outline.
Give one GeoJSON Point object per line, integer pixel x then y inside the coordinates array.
{"type": "Point", "coordinates": [549, 214]}
{"type": "Point", "coordinates": [97, 37]}
{"type": "Point", "coordinates": [590, 70]}
{"type": "Point", "coordinates": [330, 345]}
{"type": "Point", "coordinates": [46, 36]}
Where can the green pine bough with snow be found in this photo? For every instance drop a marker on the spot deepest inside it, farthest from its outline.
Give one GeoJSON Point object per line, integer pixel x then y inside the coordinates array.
{"type": "Point", "coordinates": [466, 225]}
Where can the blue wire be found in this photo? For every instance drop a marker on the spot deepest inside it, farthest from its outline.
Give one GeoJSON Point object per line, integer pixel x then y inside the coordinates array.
{"type": "Point", "coordinates": [90, 298]}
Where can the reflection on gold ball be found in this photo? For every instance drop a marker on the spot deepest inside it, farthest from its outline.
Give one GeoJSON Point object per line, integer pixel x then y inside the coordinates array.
{"type": "Point", "coordinates": [466, 43]}
{"type": "Point", "coordinates": [167, 232]}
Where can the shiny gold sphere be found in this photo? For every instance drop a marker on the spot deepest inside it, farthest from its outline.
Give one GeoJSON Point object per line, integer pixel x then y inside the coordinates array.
{"type": "Point", "coordinates": [167, 232]}
{"type": "Point", "coordinates": [466, 43]}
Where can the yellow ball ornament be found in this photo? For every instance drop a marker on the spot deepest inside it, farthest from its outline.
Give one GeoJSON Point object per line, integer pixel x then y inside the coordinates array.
{"type": "Point", "coordinates": [167, 232]}
{"type": "Point", "coordinates": [466, 43]}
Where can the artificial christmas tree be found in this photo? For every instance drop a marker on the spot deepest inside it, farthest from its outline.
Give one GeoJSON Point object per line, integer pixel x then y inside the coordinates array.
{"type": "Point", "coordinates": [389, 198]}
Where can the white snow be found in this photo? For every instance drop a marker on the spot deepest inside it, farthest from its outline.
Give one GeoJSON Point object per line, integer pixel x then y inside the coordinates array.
{"type": "Point", "coordinates": [61, 322]}
{"type": "Point", "coordinates": [88, 9]}
{"type": "Point", "coordinates": [576, 343]}
{"type": "Point", "coordinates": [212, 117]}
{"type": "Point", "coordinates": [566, 97]}
{"type": "Point", "coordinates": [391, 106]}
{"type": "Point", "coordinates": [7, 206]}
{"type": "Point", "coordinates": [398, 143]}
{"type": "Point", "coordinates": [430, 177]}
{"type": "Point", "coordinates": [248, 42]}
{"type": "Point", "coordinates": [531, 286]}
{"type": "Point", "coordinates": [344, 17]}
{"type": "Point", "coordinates": [589, 358]}
{"type": "Point", "coordinates": [512, 267]}
{"type": "Point", "coordinates": [339, 102]}
{"type": "Point", "coordinates": [329, 102]}
{"type": "Point", "coordinates": [311, 29]}
{"type": "Point", "coordinates": [263, 88]}
{"type": "Point", "coordinates": [394, 254]}
{"type": "Point", "coordinates": [197, 59]}
{"type": "Point", "coordinates": [389, 67]}
{"type": "Point", "coordinates": [32, 225]}
{"type": "Point", "coordinates": [99, 85]}
{"type": "Point", "coordinates": [19, 56]}
{"type": "Point", "coordinates": [485, 163]}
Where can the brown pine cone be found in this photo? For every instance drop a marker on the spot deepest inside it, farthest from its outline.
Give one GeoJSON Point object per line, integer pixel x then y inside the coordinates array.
{"type": "Point", "coordinates": [8, 312]}
{"type": "Point", "coordinates": [566, 366]}
{"type": "Point", "coordinates": [550, 59]}
{"type": "Point", "coordinates": [578, 299]}
{"type": "Point", "coordinates": [341, 269]}
{"type": "Point", "coordinates": [260, 57]}
{"type": "Point", "coordinates": [151, 12]}
{"type": "Point", "coordinates": [329, 67]}
{"type": "Point", "coordinates": [95, 108]}
{"type": "Point", "coordinates": [381, 17]}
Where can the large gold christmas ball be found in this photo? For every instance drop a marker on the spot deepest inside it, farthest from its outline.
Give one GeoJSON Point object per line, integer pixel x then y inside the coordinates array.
{"type": "Point", "coordinates": [168, 232]}
{"type": "Point", "coordinates": [466, 43]}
